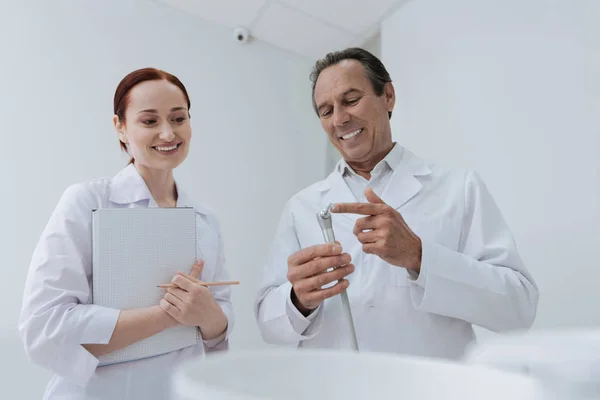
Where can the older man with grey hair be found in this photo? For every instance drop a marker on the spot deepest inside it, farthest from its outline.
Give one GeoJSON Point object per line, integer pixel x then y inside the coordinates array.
{"type": "Point", "coordinates": [423, 252]}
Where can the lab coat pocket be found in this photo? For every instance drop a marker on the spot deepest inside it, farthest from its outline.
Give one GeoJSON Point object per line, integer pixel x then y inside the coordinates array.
{"type": "Point", "coordinates": [392, 288]}
{"type": "Point", "coordinates": [443, 230]}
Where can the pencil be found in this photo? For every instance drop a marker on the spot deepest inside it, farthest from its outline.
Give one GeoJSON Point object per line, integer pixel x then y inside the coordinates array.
{"type": "Point", "coordinates": [223, 283]}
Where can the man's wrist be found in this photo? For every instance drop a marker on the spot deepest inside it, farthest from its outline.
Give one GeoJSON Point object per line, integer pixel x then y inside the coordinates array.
{"type": "Point", "coordinates": [303, 310]}
{"type": "Point", "coordinates": [417, 257]}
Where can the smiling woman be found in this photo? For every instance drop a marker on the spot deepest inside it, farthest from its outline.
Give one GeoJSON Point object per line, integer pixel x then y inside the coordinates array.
{"type": "Point", "coordinates": [152, 86]}
{"type": "Point", "coordinates": [61, 328]}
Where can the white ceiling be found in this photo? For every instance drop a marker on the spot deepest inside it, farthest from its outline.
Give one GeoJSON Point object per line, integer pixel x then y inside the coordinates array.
{"type": "Point", "coordinates": [310, 28]}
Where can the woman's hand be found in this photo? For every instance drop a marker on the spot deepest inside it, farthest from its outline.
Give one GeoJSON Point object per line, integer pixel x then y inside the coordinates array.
{"type": "Point", "coordinates": [192, 304]}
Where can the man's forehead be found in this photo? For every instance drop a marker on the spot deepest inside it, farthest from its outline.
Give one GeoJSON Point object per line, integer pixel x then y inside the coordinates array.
{"type": "Point", "coordinates": [340, 78]}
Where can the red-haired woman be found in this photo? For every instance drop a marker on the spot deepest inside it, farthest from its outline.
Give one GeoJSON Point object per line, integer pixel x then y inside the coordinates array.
{"type": "Point", "coordinates": [61, 330]}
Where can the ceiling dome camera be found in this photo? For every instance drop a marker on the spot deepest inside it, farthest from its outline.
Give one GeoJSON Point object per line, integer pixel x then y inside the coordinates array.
{"type": "Point", "coordinates": [241, 35]}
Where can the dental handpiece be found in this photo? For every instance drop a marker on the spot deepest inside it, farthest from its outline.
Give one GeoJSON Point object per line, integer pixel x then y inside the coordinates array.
{"type": "Point", "coordinates": [324, 218]}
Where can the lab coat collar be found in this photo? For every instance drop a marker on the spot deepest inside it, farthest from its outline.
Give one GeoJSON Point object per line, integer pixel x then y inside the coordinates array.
{"type": "Point", "coordinates": [402, 187]}
{"type": "Point", "coordinates": [392, 159]}
{"type": "Point", "coordinates": [128, 187]}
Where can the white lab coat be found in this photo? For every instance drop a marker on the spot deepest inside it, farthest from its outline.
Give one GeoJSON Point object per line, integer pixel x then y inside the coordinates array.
{"type": "Point", "coordinates": [56, 317]}
{"type": "Point", "coordinates": [471, 273]}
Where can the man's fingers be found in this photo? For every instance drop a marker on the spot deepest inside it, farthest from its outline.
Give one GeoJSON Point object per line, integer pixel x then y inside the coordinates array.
{"type": "Point", "coordinates": [318, 266]}
{"type": "Point", "coordinates": [372, 197]}
{"type": "Point", "coordinates": [368, 237]}
{"type": "Point", "coordinates": [321, 250]}
{"type": "Point", "coordinates": [365, 223]}
{"type": "Point", "coordinates": [197, 269]}
{"type": "Point", "coordinates": [375, 205]}
{"type": "Point", "coordinates": [318, 281]}
{"type": "Point", "coordinates": [359, 208]}
{"type": "Point", "coordinates": [373, 248]}
{"type": "Point", "coordinates": [318, 296]}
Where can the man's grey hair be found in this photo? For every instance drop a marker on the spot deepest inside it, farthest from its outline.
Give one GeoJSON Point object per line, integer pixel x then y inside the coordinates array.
{"type": "Point", "coordinates": [373, 66]}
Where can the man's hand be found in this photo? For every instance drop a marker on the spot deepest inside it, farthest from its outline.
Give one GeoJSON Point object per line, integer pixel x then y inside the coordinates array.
{"type": "Point", "coordinates": [384, 232]}
{"type": "Point", "coordinates": [307, 272]}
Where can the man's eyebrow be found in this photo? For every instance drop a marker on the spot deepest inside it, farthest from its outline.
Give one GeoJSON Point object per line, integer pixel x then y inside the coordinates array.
{"type": "Point", "coordinates": [351, 90]}
{"type": "Point", "coordinates": [319, 107]}
{"type": "Point", "coordinates": [346, 93]}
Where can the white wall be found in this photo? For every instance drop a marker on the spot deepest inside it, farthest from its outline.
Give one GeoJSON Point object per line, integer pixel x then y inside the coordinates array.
{"type": "Point", "coordinates": [512, 88]}
{"type": "Point", "coordinates": [256, 138]}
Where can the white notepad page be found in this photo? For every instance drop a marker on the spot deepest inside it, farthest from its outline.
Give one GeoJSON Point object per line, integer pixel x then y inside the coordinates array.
{"type": "Point", "coordinates": [134, 250]}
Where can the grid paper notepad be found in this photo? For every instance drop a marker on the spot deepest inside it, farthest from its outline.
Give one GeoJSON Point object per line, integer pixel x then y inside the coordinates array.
{"type": "Point", "coordinates": [134, 250]}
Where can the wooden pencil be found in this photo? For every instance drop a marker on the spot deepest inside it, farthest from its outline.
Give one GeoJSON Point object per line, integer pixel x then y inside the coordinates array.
{"type": "Point", "coordinates": [223, 283]}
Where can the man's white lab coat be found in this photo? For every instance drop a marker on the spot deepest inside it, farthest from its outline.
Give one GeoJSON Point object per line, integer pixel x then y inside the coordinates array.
{"type": "Point", "coordinates": [471, 272]}
{"type": "Point", "coordinates": [56, 317]}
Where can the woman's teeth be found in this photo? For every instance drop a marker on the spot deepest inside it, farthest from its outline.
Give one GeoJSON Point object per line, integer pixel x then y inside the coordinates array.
{"type": "Point", "coordinates": [352, 135]}
{"type": "Point", "coordinates": [171, 148]}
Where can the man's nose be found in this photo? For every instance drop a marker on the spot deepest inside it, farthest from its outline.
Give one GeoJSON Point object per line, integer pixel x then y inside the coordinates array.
{"type": "Point", "coordinates": [340, 117]}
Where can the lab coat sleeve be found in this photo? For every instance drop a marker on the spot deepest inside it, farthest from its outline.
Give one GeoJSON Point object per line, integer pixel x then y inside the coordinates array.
{"type": "Point", "coordinates": [222, 295]}
{"type": "Point", "coordinates": [278, 319]}
{"type": "Point", "coordinates": [485, 282]}
{"type": "Point", "coordinates": [55, 318]}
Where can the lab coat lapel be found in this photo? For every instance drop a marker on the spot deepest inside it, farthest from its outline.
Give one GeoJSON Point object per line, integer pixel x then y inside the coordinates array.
{"type": "Point", "coordinates": [402, 187]}
{"type": "Point", "coordinates": [404, 184]}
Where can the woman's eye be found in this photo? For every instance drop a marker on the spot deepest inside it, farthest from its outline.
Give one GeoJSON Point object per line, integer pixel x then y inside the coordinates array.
{"type": "Point", "coordinates": [179, 119]}
{"type": "Point", "coordinates": [149, 122]}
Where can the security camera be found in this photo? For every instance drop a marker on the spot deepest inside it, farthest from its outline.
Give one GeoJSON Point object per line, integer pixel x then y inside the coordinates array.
{"type": "Point", "coordinates": [241, 35]}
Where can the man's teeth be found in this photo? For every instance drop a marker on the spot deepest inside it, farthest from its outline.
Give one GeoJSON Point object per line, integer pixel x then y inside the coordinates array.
{"type": "Point", "coordinates": [166, 148]}
{"type": "Point", "coordinates": [352, 135]}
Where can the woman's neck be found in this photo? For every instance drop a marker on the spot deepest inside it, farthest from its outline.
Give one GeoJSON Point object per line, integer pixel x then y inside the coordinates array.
{"type": "Point", "coordinates": [161, 185]}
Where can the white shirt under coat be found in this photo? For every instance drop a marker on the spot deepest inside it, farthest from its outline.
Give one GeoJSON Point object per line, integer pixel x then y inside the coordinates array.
{"type": "Point", "coordinates": [471, 272]}
{"type": "Point", "coordinates": [57, 317]}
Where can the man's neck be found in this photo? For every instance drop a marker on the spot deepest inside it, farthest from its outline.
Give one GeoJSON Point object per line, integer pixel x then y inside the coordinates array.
{"type": "Point", "coordinates": [364, 169]}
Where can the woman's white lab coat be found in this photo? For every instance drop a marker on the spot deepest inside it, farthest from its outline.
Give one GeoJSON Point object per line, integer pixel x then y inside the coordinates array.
{"type": "Point", "coordinates": [56, 317]}
{"type": "Point", "coordinates": [471, 272]}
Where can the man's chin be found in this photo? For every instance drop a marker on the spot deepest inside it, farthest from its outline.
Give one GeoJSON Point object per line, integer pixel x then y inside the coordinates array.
{"type": "Point", "coordinates": [355, 155]}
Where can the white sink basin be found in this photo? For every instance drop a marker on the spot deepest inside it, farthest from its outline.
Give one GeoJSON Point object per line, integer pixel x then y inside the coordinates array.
{"type": "Point", "coordinates": [335, 375]}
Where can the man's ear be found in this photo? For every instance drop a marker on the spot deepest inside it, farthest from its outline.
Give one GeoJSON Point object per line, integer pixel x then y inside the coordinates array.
{"type": "Point", "coordinates": [390, 96]}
